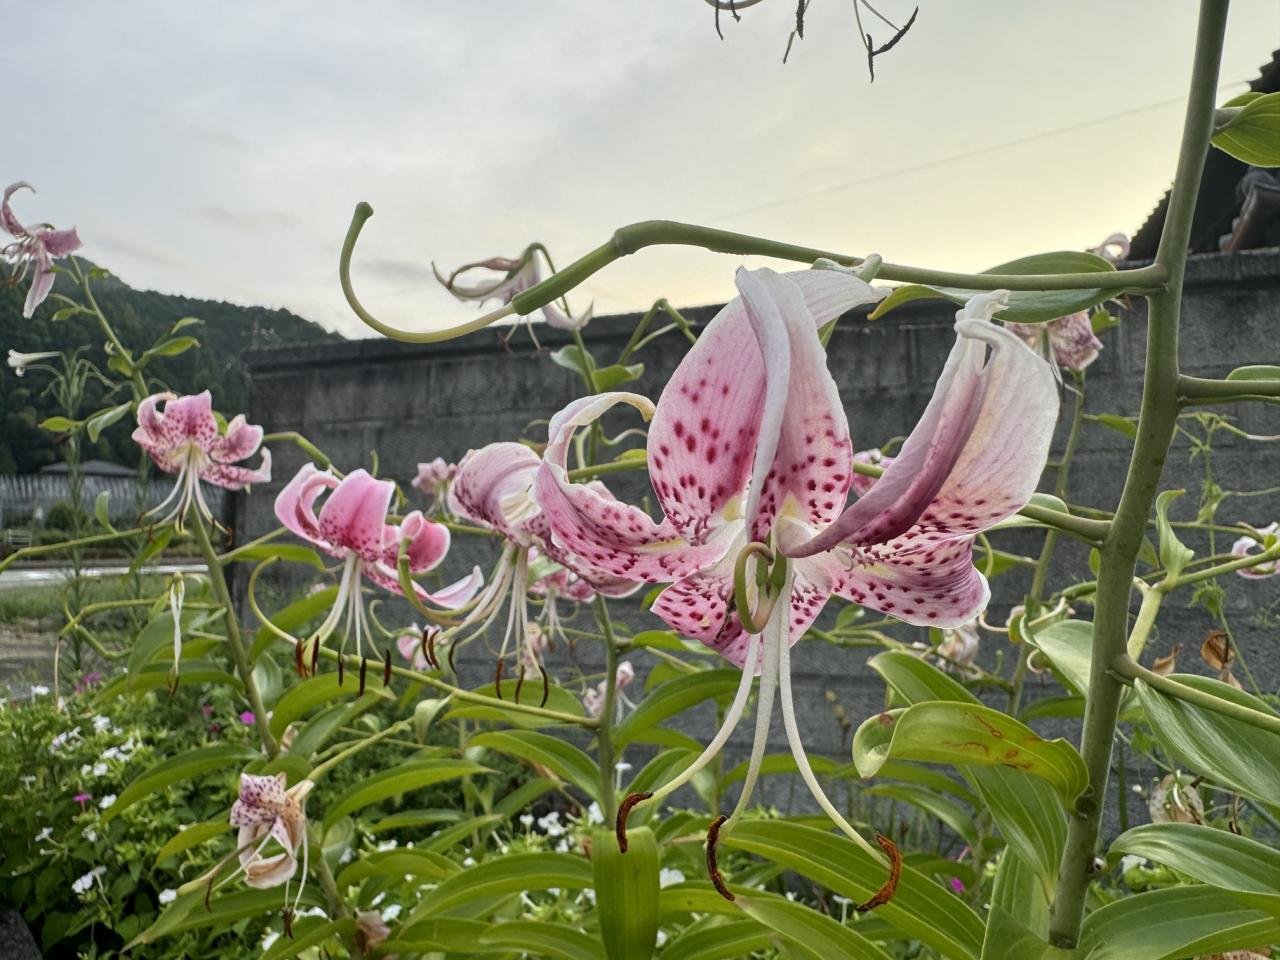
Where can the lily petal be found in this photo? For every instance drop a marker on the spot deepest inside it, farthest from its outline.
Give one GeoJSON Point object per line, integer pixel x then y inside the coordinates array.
{"type": "Point", "coordinates": [428, 542]}
{"type": "Point", "coordinates": [295, 504]}
{"type": "Point", "coordinates": [492, 488]}
{"type": "Point", "coordinates": [354, 516]}
{"type": "Point", "coordinates": [233, 477]}
{"type": "Point", "coordinates": [8, 219]}
{"type": "Point", "coordinates": [240, 441]}
{"type": "Point", "coordinates": [59, 243]}
{"type": "Point", "coordinates": [976, 454]}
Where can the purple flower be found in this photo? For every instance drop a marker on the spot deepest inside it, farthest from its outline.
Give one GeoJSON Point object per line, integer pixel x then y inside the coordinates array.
{"type": "Point", "coordinates": [247, 718]}
{"type": "Point", "coordinates": [82, 798]}
{"type": "Point", "coordinates": [957, 885]}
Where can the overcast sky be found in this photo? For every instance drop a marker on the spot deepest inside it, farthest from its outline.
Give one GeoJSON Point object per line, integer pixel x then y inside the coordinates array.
{"type": "Point", "coordinates": [221, 155]}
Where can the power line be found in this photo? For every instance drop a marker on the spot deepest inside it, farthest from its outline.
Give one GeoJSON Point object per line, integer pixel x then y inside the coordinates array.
{"type": "Point", "coordinates": [953, 158]}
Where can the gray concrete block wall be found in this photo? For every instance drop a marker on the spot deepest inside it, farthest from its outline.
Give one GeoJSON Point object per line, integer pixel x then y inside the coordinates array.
{"type": "Point", "coordinates": [415, 402]}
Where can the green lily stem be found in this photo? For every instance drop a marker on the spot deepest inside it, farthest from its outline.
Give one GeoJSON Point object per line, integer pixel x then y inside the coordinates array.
{"type": "Point", "coordinates": [232, 556]}
{"type": "Point", "coordinates": [604, 730]}
{"type": "Point", "coordinates": [1157, 422]}
{"type": "Point", "coordinates": [351, 751]}
{"type": "Point", "coordinates": [26, 552]}
{"type": "Point", "coordinates": [1194, 391]}
{"type": "Point", "coordinates": [1039, 579]}
{"type": "Point", "coordinates": [636, 236]}
{"type": "Point", "coordinates": [309, 448]}
{"type": "Point", "coordinates": [1127, 668]}
{"type": "Point", "coordinates": [638, 338]}
{"type": "Point", "coordinates": [239, 653]}
{"type": "Point", "coordinates": [1239, 563]}
{"type": "Point", "coordinates": [333, 899]}
{"type": "Point", "coordinates": [1152, 597]}
{"type": "Point", "coordinates": [136, 378]}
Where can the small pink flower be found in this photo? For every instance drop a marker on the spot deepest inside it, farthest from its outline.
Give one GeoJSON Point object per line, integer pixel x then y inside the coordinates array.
{"type": "Point", "coordinates": [1249, 545]}
{"type": "Point", "coordinates": [88, 680]}
{"type": "Point", "coordinates": [184, 438]}
{"type": "Point", "coordinates": [266, 811]}
{"type": "Point", "coordinates": [957, 885]}
{"type": "Point", "coordinates": [206, 710]}
{"type": "Point", "coordinates": [433, 478]}
{"type": "Point", "coordinates": [247, 718]}
{"type": "Point", "coordinates": [352, 526]}
{"type": "Point", "coordinates": [593, 699]}
{"type": "Point", "coordinates": [39, 245]}
{"type": "Point", "coordinates": [82, 798]}
{"type": "Point", "coordinates": [1069, 340]}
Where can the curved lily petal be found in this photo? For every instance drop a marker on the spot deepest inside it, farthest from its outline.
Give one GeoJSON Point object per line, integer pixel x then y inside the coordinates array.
{"type": "Point", "coordinates": [492, 486]}
{"type": "Point", "coordinates": [428, 542]}
{"type": "Point", "coordinates": [354, 515]}
{"type": "Point", "coordinates": [239, 442]}
{"type": "Point", "coordinates": [976, 454]}
{"type": "Point", "coordinates": [59, 243]}
{"type": "Point", "coordinates": [613, 536]}
{"type": "Point", "coordinates": [451, 597]}
{"type": "Point", "coordinates": [8, 219]}
{"type": "Point", "coordinates": [295, 504]}
{"type": "Point", "coordinates": [233, 477]}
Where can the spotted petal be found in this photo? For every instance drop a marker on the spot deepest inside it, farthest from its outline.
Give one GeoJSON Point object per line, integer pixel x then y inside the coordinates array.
{"type": "Point", "coordinates": [8, 219]}
{"type": "Point", "coordinates": [261, 799]}
{"type": "Point", "coordinates": [355, 514]}
{"type": "Point", "coordinates": [240, 442]}
{"type": "Point", "coordinates": [976, 454]}
{"type": "Point", "coordinates": [492, 488]}
{"type": "Point", "coordinates": [613, 536]}
{"type": "Point", "coordinates": [295, 505]}
{"type": "Point", "coordinates": [233, 477]}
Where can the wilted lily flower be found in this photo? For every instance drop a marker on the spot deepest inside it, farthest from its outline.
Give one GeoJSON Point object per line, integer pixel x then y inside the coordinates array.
{"type": "Point", "coordinates": [493, 488]}
{"type": "Point", "coordinates": [38, 244]}
{"type": "Point", "coordinates": [184, 438]}
{"type": "Point", "coordinates": [959, 648]}
{"type": "Point", "coordinates": [593, 699]}
{"type": "Point", "coordinates": [749, 444]}
{"type": "Point", "coordinates": [1245, 546]}
{"type": "Point", "coordinates": [352, 526]}
{"type": "Point", "coordinates": [1069, 340]}
{"type": "Point", "coordinates": [518, 276]}
{"type": "Point", "coordinates": [20, 361]}
{"type": "Point", "coordinates": [265, 812]}
{"type": "Point", "coordinates": [371, 929]}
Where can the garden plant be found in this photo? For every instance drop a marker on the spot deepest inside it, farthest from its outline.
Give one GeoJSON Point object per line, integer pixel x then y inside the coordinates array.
{"type": "Point", "coordinates": [329, 786]}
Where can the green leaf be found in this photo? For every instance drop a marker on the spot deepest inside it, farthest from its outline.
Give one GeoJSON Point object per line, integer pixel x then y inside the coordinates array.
{"type": "Point", "coordinates": [430, 867]}
{"type": "Point", "coordinates": [523, 795]}
{"type": "Point", "coordinates": [920, 908]}
{"type": "Point", "coordinates": [557, 755]}
{"type": "Point", "coordinates": [1068, 646]}
{"type": "Point", "coordinates": [188, 911]}
{"type": "Point", "coordinates": [412, 775]}
{"type": "Point", "coordinates": [558, 698]}
{"type": "Point", "coordinates": [1253, 135]}
{"type": "Point", "coordinates": [626, 886]}
{"type": "Point", "coordinates": [612, 377]}
{"type": "Point", "coordinates": [417, 818]}
{"type": "Point", "coordinates": [154, 545]}
{"type": "Point", "coordinates": [1228, 752]}
{"type": "Point", "coordinates": [100, 514]}
{"type": "Point", "coordinates": [540, 939]}
{"type": "Point", "coordinates": [171, 348]}
{"type": "Point", "coordinates": [725, 940]}
{"type": "Point", "coordinates": [185, 766]}
{"type": "Point", "coordinates": [966, 733]}
{"type": "Point", "coordinates": [773, 764]}
{"type": "Point", "coordinates": [446, 838]}
{"type": "Point", "coordinates": [183, 323]}
{"type": "Point", "coordinates": [955, 816]}
{"type": "Point", "coordinates": [435, 936]}
{"type": "Point", "coordinates": [1019, 896]}
{"type": "Point", "coordinates": [816, 935]}
{"type": "Point", "coordinates": [1173, 924]}
{"type": "Point", "coordinates": [1254, 373]}
{"type": "Point", "coordinates": [1126, 425]}
{"type": "Point", "coordinates": [674, 696]}
{"type": "Point", "coordinates": [293, 617]}
{"type": "Point", "coordinates": [1174, 555]}
{"type": "Point", "coordinates": [105, 418]}
{"type": "Point", "coordinates": [192, 836]}
{"type": "Point", "coordinates": [571, 358]}
{"type": "Point", "coordinates": [1211, 856]}
{"type": "Point", "coordinates": [467, 892]}
{"type": "Point", "coordinates": [916, 681]}
{"type": "Point", "coordinates": [58, 424]}
{"type": "Point", "coordinates": [309, 932]}
{"type": "Point", "coordinates": [301, 698]}
{"type": "Point", "coordinates": [424, 712]}
{"type": "Point", "coordinates": [1007, 938]}
{"type": "Point", "coordinates": [1025, 306]}
{"type": "Point", "coordinates": [290, 552]}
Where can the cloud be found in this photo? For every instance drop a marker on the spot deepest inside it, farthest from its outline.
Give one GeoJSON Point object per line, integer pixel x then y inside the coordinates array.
{"type": "Point", "coordinates": [249, 220]}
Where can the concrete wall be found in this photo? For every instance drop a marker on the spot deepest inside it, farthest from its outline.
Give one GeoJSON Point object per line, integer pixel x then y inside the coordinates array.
{"type": "Point", "coordinates": [413, 403]}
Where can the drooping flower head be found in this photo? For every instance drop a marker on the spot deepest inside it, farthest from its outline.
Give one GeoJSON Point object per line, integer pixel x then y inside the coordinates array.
{"type": "Point", "coordinates": [493, 488]}
{"type": "Point", "coordinates": [1069, 340]}
{"type": "Point", "coordinates": [268, 814]}
{"type": "Point", "coordinates": [433, 478]}
{"type": "Point", "coordinates": [749, 442]}
{"type": "Point", "coordinates": [517, 276]}
{"type": "Point", "coordinates": [1270, 536]}
{"type": "Point", "coordinates": [33, 249]}
{"type": "Point", "coordinates": [352, 526]}
{"type": "Point", "coordinates": [184, 438]}
{"type": "Point", "coordinates": [19, 362]}
{"type": "Point", "coordinates": [593, 699]}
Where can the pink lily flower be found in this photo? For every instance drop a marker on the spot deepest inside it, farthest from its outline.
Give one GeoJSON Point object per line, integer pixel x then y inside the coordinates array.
{"type": "Point", "coordinates": [184, 438]}
{"type": "Point", "coordinates": [352, 526]}
{"type": "Point", "coordinates": [493, 488]}
{"type": "Point", "coordinates": [1249, 545]}
{"type": "Point", "coordinates": [265, 811]}
{"type": "Point", "coordinates": [862, 483]}
{"type": "Point", "coordinates": [39, 244]}
{"type": "Point", "coordinates": [433, 478]}
{"type": "Point", "coordinates": [593, 699]}
{"type": "Point", "coordinates": [749, 442]}
{"type": "Point", "coordinates": [519, 275]}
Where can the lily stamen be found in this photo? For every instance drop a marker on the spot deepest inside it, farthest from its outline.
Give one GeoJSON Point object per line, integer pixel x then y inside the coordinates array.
{"type": "Point", "coordinates": [713, 867]}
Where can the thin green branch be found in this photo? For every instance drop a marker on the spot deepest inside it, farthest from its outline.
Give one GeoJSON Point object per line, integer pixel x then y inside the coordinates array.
{"type": "Point", "coordinates": [1194, 391]}
{"type": "Point", "coordinates": [1126, 667]}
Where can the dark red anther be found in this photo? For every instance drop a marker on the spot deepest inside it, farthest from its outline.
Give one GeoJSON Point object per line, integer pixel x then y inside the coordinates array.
{"type": "Point", "coordinates": [497, 679]}
{"type": "Point", "coordinates": [386, 667]}
{"type": "Point", "coordinates": [297, 659]}
{"type": "Point", "coordinates": [519, 683]}
{"type": "Point", "coordinates": [546, 686]}
{"type": "Point", "coordinates": [713, 836]}
{"type": "Point", "coordinates": [624, 811]}
{"type": "Point", "coordinates": [364, 669]}
{"type": "Point", "coordinates": [315, 657]}
{"type": "Point", "coordinates": [452, 646]}
{"type": "Point", "coordinates": [886, 892]}
{"type": "Point", "coordinates": [341, 668]}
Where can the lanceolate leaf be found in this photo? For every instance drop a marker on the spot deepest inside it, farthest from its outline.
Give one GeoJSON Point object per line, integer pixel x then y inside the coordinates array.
{"type": "Point", "coordinates": [185, 766]}
{"type": "Point", "coordinates": [1173, 924]}
{"type": "Point", "coordinates": [389, 783]}
{"type": "Point", "coordinates": [965, 733]}
{"type": "Point", "coordinates": [301, 698]}
{"type": "Point", "coordinates": [554, 941]}
{"type": "Point", "coordinates": [468, 891]}
{"type": "Point", "coordinates": [1228, 752]}
{"type": "Point", "coordinates": [557, 755]}
{"type": "Point", "coordinates": [729, 940]}
{"type": "Point", "coordinates": [1068, 645]}
{"type": "Point", "coordinates": [1253, 135]}
{"type": "Point", "coordinates": [295, 616]}
{"type": "Point", "coordinates": [1216, 857]}
{"type": "Point", "coordinates": [816, 935]}
{"type": "Point", "coordinates": [920, 908]}
{"type": "Point", "coordinates": [670, 698]}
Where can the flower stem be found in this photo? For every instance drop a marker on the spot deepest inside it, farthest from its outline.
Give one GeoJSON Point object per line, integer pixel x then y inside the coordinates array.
{"type": "Point", "coordinates": [1157, 421]}
{"type": "Point", "coordinates": [1128, 668]}
{"type": "Point", "coordinates": [604, 732]}
{"type": "Point", "coordinates": [238, 651]}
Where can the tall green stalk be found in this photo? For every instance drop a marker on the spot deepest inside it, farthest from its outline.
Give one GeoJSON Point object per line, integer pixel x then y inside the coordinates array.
{"type": "Point", "coordinates": [608, 712]}
{"type": "Point", "coordinates": [1156, 422]}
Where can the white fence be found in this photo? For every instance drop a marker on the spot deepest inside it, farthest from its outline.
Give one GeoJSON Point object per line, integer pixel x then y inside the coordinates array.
{"type": "Point", "coordinates": [27, 500]}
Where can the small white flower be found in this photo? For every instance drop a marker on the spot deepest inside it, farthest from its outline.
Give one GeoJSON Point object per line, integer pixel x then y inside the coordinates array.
{"type": "Point", "coordinates": [39, 690]}
{"type": "Point", "coordinates": [101, 723]}
{"type": "Point", "coordinates": [594, 813]}
{"type": "Point", "coordinates": [378, 899]}
{"type": "Point", "coordinates": [791, 895]}
{"type": "Point", "coordinates": [312, 912]}
{"type": "Point", "coordinates": [589, 895]}
{"type": "Point", "coordinates": [20, 361]}
{"type": "Point", "coordinates": [90, 834]}
{"type": "Point", "coordinates": [562, 845]}
{"type": "Point", "coordinates": [1130, 861]}
{"type": "Point", "coordinates": [527, 820]}
{"type": "Point", "coordinates": [386, 845]}
{"type": "Point", "coordinates": [82, 884]}
{"type": "Point", "coordinates": [391, 912]}
{"type": "Point", "coordinates": [27, 780]}
{"type": "Point", "coordinates": [112, 753]}
{"type": "Point", "coordinates": [669, 875]}
{"type": "Point", "coordinates": [347, 856]}
{"type": "Point", "coordinates": [271, 937]}
{"type": "Point", "coordinates": [662, 938]}
{"type": "Point", "coordinates": [107, 801]}
{"type": "Point", "coordinates": [44, 835]}
{"type": "Point", "coordinates": [622, 766]}
{"type": "Point", "coordinates": [62, 738]}
{"type": "Point", "coordinates": [469, 862]}
{"type": "Point", "coordinates": [167, 896]}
